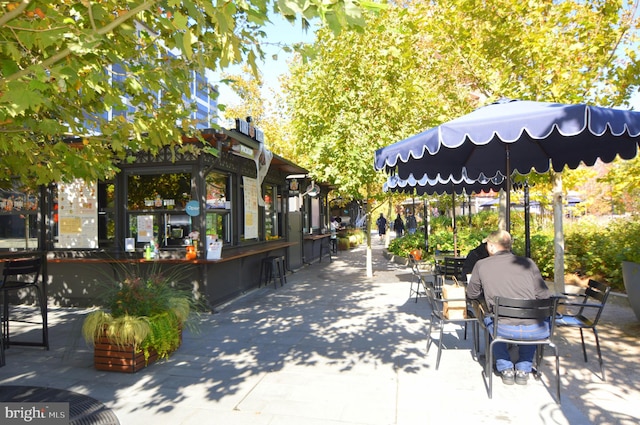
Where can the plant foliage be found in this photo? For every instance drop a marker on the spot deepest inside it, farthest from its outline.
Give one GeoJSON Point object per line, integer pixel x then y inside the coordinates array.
{"type": "Point", "coordinates": [146, 310]}
{"type": "Point", "coordinates": [94, 70]}
{"type": "Point", "coordinates": [594, 248]}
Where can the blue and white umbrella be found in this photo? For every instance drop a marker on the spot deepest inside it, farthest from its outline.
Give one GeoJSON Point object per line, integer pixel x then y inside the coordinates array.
{"type": "Point", "coordinates": [514, 136]}
{"type": "Point", "coordinates": [439, 186]}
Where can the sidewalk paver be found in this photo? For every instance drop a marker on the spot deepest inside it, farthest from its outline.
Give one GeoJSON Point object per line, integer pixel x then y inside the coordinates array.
{"type": "Point", "coordinates": [333, 347]}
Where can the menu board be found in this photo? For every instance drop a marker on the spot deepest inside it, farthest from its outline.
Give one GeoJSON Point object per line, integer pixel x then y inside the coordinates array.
{"type": "Point", "coordinates": [145, 228]}
{"type": "Point", "coordinates": [250, 208]}
{"type": "Point", "coordinates": [77, 214]}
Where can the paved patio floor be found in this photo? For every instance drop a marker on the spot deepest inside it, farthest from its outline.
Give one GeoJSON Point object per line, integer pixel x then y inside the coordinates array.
{"type": "Point", "coordinates": [333, 347]}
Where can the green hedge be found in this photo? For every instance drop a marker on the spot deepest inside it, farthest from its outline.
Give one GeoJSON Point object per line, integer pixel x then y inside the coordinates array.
{"type": "Point", "coordinates": [592, 249]}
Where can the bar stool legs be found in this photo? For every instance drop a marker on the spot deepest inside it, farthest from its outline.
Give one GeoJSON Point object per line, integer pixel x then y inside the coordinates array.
{"type": "Point", "coordinates": [272, 268]}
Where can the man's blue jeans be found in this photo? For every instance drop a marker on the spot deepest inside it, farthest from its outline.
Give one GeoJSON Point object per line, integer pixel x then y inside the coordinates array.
{"type": "Point", "coordinates": [525, 352]}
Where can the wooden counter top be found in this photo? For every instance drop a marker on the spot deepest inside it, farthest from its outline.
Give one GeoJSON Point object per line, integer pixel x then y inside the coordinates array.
{"type": "Point", "coordinates": [234, 255]}
{"type": "Point", "coordinates": [316, 237]}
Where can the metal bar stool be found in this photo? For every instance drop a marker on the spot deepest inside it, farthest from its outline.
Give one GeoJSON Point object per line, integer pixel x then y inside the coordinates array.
{"type": "Point", "coordinates": [17, 275]}
{"type": "Point", "coordinates": [273, 268]}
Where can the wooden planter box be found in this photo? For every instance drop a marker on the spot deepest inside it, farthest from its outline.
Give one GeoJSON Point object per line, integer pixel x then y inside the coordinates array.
{"type": "Point", "coordinates": [120, 358]}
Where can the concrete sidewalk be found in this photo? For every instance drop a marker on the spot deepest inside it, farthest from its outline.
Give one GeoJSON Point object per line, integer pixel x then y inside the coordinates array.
{"type": "Point", "coordinates": [335, 347]}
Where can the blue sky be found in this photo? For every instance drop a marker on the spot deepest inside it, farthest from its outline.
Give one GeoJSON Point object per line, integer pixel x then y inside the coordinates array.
{"type": "Point", "coordinates": [280, 31]}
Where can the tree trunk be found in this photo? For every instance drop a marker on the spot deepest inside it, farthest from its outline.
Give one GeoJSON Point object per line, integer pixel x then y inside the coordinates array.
{"type": "Point", "coordinates": [558, 233]}
{"type": "Point", "coordinates": [369, 261]}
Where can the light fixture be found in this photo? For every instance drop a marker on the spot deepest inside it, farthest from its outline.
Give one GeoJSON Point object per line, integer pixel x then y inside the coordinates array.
{"type": "Point", "coordinates": [312, 190]}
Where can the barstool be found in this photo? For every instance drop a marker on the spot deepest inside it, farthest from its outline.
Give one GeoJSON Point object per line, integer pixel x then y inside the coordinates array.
{"type": "Point", "coordinates": [269, 267]}
{"type": "Point", "coordinates": [17, 275]}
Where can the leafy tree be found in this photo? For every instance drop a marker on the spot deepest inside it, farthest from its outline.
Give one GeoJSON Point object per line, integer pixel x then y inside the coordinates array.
{"type": "Point", "coordinates": [65, 65]}
{"type": "Point", "coordinates": [361, 91]}
{"type": "Point", "coordinates": [422, 63]}
{"type": "Point", "coordinates": [267, 113]}
{"type": "Point", "coordinates": [624, 185]}
{"type": "Point", "coordinates": [247, 86]}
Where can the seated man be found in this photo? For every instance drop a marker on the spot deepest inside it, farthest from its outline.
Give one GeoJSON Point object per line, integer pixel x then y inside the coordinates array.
{"type": "Point", "coordinates": [504, 274]}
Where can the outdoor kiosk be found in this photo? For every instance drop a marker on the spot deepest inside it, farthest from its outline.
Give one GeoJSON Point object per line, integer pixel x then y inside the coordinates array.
{"type": "Point", "coordinates": [242, 199]}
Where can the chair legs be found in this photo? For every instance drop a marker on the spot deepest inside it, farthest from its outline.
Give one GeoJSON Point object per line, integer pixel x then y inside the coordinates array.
{"type": "Point", "coordinates": [441, 325]}
{"type": "Point", "coordinates": [488, 369]}
{"type": "Point", "coordinates": [42, 306]}
{"type": "Point", "coordinates": [430, 340]}
{"type": "Point", "coordinates": [584, 351]}
{"type": "Point", "coordinates": [418, 285]}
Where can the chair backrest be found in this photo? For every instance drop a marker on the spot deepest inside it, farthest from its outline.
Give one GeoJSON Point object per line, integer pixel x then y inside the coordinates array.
{"type": "Point", "coordinates": [28, 268]}
{"type": "Point", "coordinates": [453, 267]}
{"type": "Point", "coordinates": [595, 291]}
{"type": "Point", "coordinates": [541, 309]}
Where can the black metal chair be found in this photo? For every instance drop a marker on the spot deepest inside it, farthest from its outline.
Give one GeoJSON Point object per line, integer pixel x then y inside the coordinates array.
{"type": "Point", "coordinates": [448, 268]}
{"type": "Point", "coordinates": [544, 309]}
{"type": "Point", "coordinates": [418, 286]}
{"type": "Point", "coordinates": [439, 317]}
{"type": "Point", "coordinates": [583, 311]}
{"type": "Point", "coordinates": [17, 275]}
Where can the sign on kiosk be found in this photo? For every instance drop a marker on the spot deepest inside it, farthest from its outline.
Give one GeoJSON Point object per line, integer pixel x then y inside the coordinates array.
{"type": "Point", "coordinates": [193, 208]}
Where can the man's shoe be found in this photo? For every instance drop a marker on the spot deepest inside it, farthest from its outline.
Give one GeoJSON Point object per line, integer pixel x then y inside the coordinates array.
{"type": "Point", "coordinates": [507, 377]}
{"type": "Point", "coordinates": [522, 377]}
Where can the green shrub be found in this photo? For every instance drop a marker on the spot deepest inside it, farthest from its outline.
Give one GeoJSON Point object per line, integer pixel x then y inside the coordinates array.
{"type": "Point", "coordinates": [592, 250]}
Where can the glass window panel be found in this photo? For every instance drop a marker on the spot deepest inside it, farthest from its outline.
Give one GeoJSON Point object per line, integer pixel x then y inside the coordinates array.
{"type": "Point", "coordinates": [18, 220]}
{"type": "Point", "coordinates": [218, 202]}
{"type": "Point", "coordinates": [106, 214]}
{"type": "Point", "coordinates": [271, 209]}
{"type": "Point", "coordinates": [158, 191]}
{"type": "Point", "coordinates": [169, 230]}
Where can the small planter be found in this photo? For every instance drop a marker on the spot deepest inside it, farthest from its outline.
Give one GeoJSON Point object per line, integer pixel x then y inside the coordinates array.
{"type": "Point", "coordinates": [120, 358]}
{"type": "Point", "coordinates": [128, 358]}
{"type": "Point", "coordinates": [631, 278]}
{"type": "Point", "coordinates": [142, 322]}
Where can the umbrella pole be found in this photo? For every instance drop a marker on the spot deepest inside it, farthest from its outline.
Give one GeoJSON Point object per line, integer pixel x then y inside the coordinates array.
{"type": "Point", "coordinates": [455, 229]}
{"type": "Point", "coordinates": [425, 220]}
{"type": "Point", "coordinates": [507, 213]}
{"type": "Point", "coordinates": [527, 221]}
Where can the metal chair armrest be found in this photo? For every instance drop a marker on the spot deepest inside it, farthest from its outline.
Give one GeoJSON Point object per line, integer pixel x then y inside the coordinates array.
{"type": "Point", "coordinates": [571, 304]}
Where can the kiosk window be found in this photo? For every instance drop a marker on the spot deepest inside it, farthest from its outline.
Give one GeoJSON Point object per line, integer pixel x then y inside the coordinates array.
{"type": "Point", "coordinates": [105, 205]}
{"type": "Point", "coordinates": [156, 209]}
{"type": "Point", "coordinates": [219, 208]}
{"type": "Point", "coordinates": [158, 191]}
{"type": "Point", "coordinates": [272, 212]}
{"type": "Point", "coordinates": [18, 220]}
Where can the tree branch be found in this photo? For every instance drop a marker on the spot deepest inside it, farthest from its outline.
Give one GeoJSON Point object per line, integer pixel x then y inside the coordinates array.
{"type": "Point", "coordinates": [66, 52]}
{"type": "Point", "coordinates": [14, 13]}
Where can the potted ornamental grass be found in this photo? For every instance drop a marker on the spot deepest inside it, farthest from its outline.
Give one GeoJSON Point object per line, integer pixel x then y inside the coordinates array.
{"type": "Point", "coordinates": [141, 321]}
